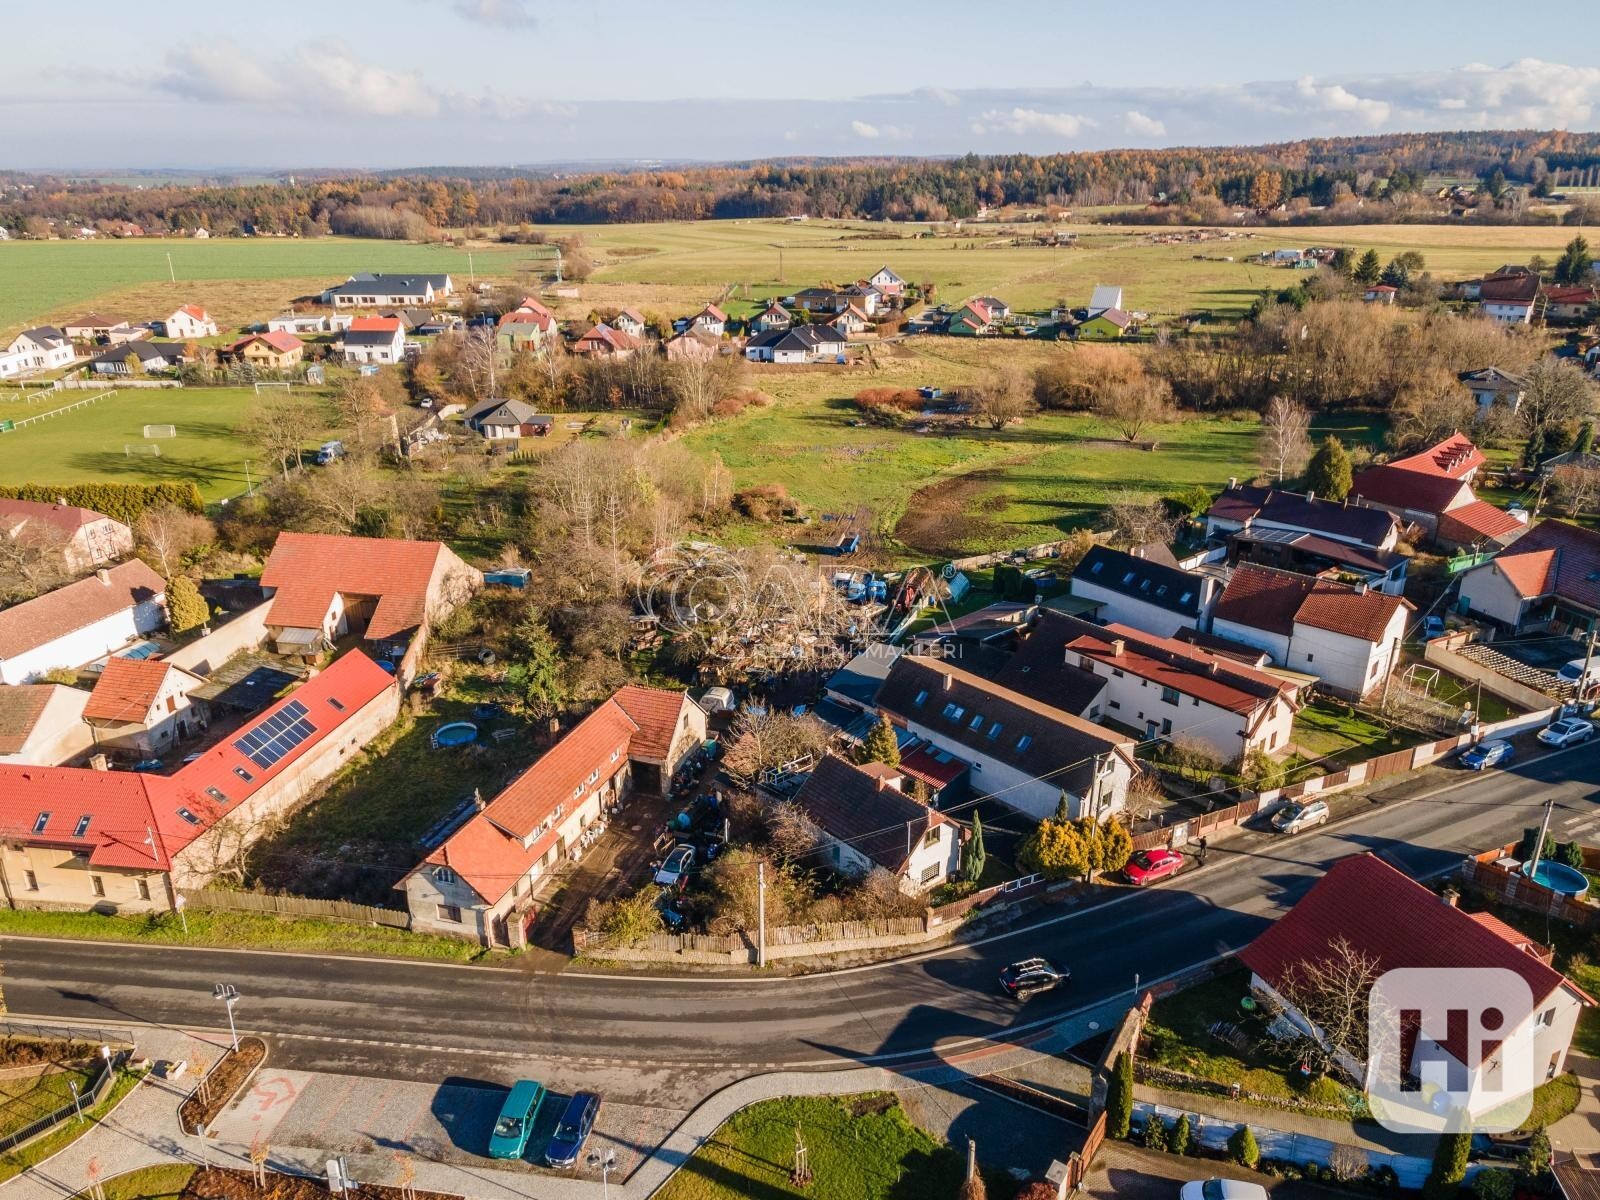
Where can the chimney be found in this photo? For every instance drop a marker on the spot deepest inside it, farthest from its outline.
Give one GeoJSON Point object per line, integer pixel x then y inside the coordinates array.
{"type": "Point", "coordinates": [949, 682]}
{"type": "Point", "coordinates": [1450, 896]}
{"type": "Point", "coordinates": [61, 501]}
{"type": "Point", "coordinates": [1361, 588]}
{"type": "Point", "coordinates": [1117, 647]}
{"type": "Point", "coordinates": [880, 782]}
{"type": "Point", "coordinates": [104, 576]}
{"type": "Point", "coordinates": [1310, 495]}
{"type": "Point", "coordinates": [1233, 482]}
{"type": "Point", "coordinates": [99, 763]}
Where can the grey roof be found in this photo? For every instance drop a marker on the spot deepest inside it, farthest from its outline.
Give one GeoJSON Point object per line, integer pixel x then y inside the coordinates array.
{"type": "Point", "coordinates": [1143, 579]}
{"type": "Point", "coordinates": [1247, 502]}
{"type": "Point", "coordinates": [809, 338]}
{"type": "Point", "coordinates": [861, 677]}
{"type": "Point", "coordinates": [1362, 558]}
{"type": "Point", "coordinates": [371, 337]}
{"type": "Point", "coordinates": [367, 284]}
{"type": "Point", "coordinates": [45, 333]}
{"type": "Point", "coordinates": [146, 352]}
{"type": "Point", "coordinates": [1494, 377]}
{"type": "Point", "coordinates": [1040, 671]}
{"type": "Point", "coordinates": [506, 412]}
{"type": "Point", "coordinates": [860, 806]}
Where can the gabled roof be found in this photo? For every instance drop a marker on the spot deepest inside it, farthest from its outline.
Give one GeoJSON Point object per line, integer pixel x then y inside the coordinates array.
{"type": "Point", "coordinates": [1114, 315]}
{"type": "Point", "coordinates": [45, 618]}
{"type": "Point", "coordinates": [862, 806]}
{"type": "Point", "coordinates": [390, 325]}
{"type": "Point", "coordinates": [655, 713]}
{"type": "Point", "coordinates": [1454, 458]}
{"type": "Point", "coordinates": [1275, 601]}
{"type": "Point", "coordinates": [1510, 289]}
{"type": "Point", "coordinates": [1494, 377]}
{"type": "Point", "coordinates": [505, 412]}
{"type": "Point", "coordinates": [369, 284]}
{"type": "Point", "coordinates": [68, 518]}
{"type": "Point", "coordinates": [1143, 579]}
{"type": "Point", "coordinates": [127, 688]}
{"type": "Point", "coordinates": [1189, 669]}
{"type": "Point", "coordinates": [307, 569]}
{"type": "Point", "coordinates": [1296, 510]}
{"type": "Point", "coordinates": [280, 340]}
{"type": "Point", "coordinates": [21, 707]}
{"type": "Point", "coordinates": [1477, 521]}
{"type": "Point", "coordinates": [1040, 670]}
{"type": "Point", "coordinates": [712, 311]}
{"type": "Point", "coordinates": [145, 352]}
{"type": "Point", "coordinates": [193, 310]}
{"type": "Point", "coordinates": [1554, 558]}
{"type": "Point", "coordinates": [614, 338]}
{"type": "Point", "coordinates": [631, 314]}
{"type": "Point", "coordinates": [93, 321]}
{"type": "Point", "coordinates": [45, 335]}
{"type": "Point", "coordinates": [1390, 918]}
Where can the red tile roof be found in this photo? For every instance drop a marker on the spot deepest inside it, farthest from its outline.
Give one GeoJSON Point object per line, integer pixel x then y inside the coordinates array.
{"type": "Point", "coordinates": [1555, 558]}
{"type": "Point", "coordinates": [1477, 521]}
{"type": "Point", "coordinates": [563, 775]}
{"type": "Point", "coordinates": [1393, 485]}
{"type": "Point", "coordinates": [655, 711]}
{"type": "Point", "coordinates": [278, 340]}
{"type": "Point", "coordinates": [195, 311]}
{"type": "Point", "coordinates": [1454, 458]}
{"type": "Point", "coordinates": [126, 689]}
{"type": "Point", "coordinates": [712, 311]}
{"type": "Point", "coordinates": [136, 820]}
{"type": "Point", "coordinates": [1273, 600]}
{"type": "Point", "coordinates": [66, 517]}
{"type": "Point", "coordinates": [375, 325]}
{"type": "Point", "coordinates": [933, 766]}
{"type": "Point", "coordinates": [307, 569]}
{"type": "Point", "coordinates": [1532, 573]}
{"type": "Point", "coordinates": [38, 622]}
{"type": "Point", "coordinates": [1188, 669]}
{"type": "Point", "coordinates": [1394, 920]}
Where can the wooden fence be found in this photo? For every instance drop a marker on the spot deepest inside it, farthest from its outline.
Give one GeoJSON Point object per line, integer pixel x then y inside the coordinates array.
{"type": "Point", "coordinates": [1483, 873]}
{"type": "Point", "coordinates": [92, 1095]}
{"type": "Point", "coordinates": [217, 899]}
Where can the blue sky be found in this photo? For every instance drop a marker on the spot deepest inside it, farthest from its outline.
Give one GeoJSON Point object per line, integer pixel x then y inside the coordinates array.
{"type": "Point", "coordinates": [411, 82]}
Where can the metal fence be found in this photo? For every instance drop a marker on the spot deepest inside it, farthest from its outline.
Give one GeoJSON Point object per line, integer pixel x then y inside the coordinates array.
{"type": "Point", "coordinates": [104, 1035]}
{"type": "Point", "coordinates": [105, 1077]}
{"type": "Point", "coordinates": [296, 906]}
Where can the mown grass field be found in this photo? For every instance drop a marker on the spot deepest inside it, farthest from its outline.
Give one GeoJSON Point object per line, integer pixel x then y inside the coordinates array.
{"type": "Point", "coordinates": [90, 443]}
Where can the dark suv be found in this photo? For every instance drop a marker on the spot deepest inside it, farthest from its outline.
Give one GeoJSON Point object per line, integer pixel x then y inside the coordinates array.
{"type": "Point", "coordinates": [1030, 976]}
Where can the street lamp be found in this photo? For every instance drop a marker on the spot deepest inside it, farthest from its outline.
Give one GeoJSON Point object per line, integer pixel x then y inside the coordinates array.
{"type": "Point", "coordinates": [606, 1164]}
{"type": "Point", "coordinates": [229, 995]}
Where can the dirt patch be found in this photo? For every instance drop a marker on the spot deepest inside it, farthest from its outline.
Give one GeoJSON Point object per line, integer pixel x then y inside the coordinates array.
{"type": "Point", "coordinates": [217, 1087]}
{"type": "Point", "coordinates": [942, 521]}
{"type": "Point", "coordinates": [215, 1184]}
{"type": "Point", "coordinates": [36, 1052]}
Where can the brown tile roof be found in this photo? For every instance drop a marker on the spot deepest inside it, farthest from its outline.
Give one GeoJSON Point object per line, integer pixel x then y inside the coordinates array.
{"type": "Point", "coordinates": [1264, 598]}
{"type": "Point", "coordinates": [66, 517]}
{"type": "Point", "coordinates": [1040, 671]}
{"type": "Point", "coordinates": [1511, 289]}
{"type": "Point", "coordinates": [37, 622]}
{"type": "Point", "coordinates": [1555, 558]}
{"type": "Point", "coordinates": [21, 707]}
{"type": "Point", "coordinates": [126, 689]}
{"type": "Point", "coordinates": [655, 711]}
{"type": "Point", "coordinates": [307, 569]}
{"type": "Point", "coordinates": [861, 806]}
{"type": "Point", "coordinates": [562, 775]}
{"type": "Point", "coordinates": [1394, 485]}
{"type": "Point", "coordinates": [1167, 662]}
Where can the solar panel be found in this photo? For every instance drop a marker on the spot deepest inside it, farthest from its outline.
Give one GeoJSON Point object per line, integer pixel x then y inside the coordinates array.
{"type": "Point", "coordinates": [274, 736]}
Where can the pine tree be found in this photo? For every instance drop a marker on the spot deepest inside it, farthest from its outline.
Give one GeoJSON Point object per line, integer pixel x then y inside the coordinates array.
{"type": "Point", "coordinates": [1369, 269]}
{"type": "Point", "coordinates": [1155, 1132]}
{"type": "Point", "coordinates": [1449, 1166]}
{"type": "Point", "coordinates": [977, 857]}
{"type": "Point", "coordinates": [880, 745]}
{"type": "Point", "coordinates": [1119, 1097]}
{"type": "Point", "coordinates": [1575, 262]}
{"type": "Point", "coordinates": [186, 608]}
{"type": "Point", "coordinates": [1181, 1139]}
{"type": "Point", "coordinates": [1328, 473]}
{"type": "Point", "coordinates": [1242, 1147]}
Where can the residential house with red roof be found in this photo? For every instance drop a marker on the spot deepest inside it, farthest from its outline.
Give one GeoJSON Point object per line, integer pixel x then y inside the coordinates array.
{"type": "Point", "coordinates": [602, 341]}
{"type": "Point", "coordinates": [1433, 489]}
{"type": "Point", "coordinates": [1570, 304]}
{"type": "Point", "coordinates": [1509, 299]}
{"type": "Point", "coordinates": [42, 723]}
{"type": "Point", "coordinates": [78, 623]}
{"type": "Point", "coordinates": [480, 881]}
{"type": "Point", "coordinates": [866, 821]}
{"type": "Point", "coordinates": [972, 319]}
{"type": "Point", "coordinates": [1394, 923]}
{"type": "Point", "coordinates": [631, 322]}
{"type": "Point", "coordinates": [275, 351]}
{"type": "Point", "coordinates": [375, 340]}
{"type": "Point", "coordinates": [187, 321]}
{"type": "Point", "coordinates": [1348, 637]}
{"type": "Point", "coordinates": [775, 318]}
{"type": "Point", "coordinates": [1549, 580]}
{"type": "Point", "coordinates": [143, 705]}
{"type": "Point", "coordinates": [384, 590]}
{"type": "Point", "coordinates": [80, 838]}
{"type": "Point", "coordinates": [887, 282]}
{"type": "Point", "coordinates": [711, 320]}
{"type": "Point", "coordinates": [84, 538]}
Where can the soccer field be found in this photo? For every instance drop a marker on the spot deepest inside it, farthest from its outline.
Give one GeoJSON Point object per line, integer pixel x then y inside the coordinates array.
{"type": "Point", "coordinates": [93, 443]}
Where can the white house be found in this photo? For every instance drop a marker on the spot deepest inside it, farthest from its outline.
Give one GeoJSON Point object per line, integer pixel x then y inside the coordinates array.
{"type": "Point", "coordinates": [1509, 299]}
{"type": "Point", "coordinates": [1027, 754]}
{"type": "Point", "coordinates": [1394, 923]}
{"type": "Point", "coordinates": [405, 291]}
{"type": "Point", "coordinates": [43, 348]}
{"type": "Point", "coordinates": [76, 624]}
{"type": "Point", "coordinates": [630, 321]}
{"type": "Point", "coordinates": [188, 321]}
{"type": "Point", "coordinates": [12, 363]}
{"type": "Point", "coordinates": [802, 344]}
{"type": "Point", "coordinates": [1157, 597]}
{"type": "Point", "coordinates": [375, 340]}
{"type": "Point", "coordinates": [42, 723]}
{"type": "Point", "coordinates": [866, 821]}
{"type": "Point", "coordinates": [85, 538]}
{"type": "Point", "coordinates": [1549, 579]}
{"type": "Point", "coordinates": [710, 319]}
{"type": "Point", "coordinates": [1491, 386]}
{"type": "Point", "coordinates": [143, 705]}
{"type": "Point", "coordinates": [887, 282]}
{"type": "Point", "coordinates": [1348, 637]}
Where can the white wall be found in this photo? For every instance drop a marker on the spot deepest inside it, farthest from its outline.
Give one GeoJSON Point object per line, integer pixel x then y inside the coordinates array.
{"type": "Point", "coordinates": [1140, 614]}
{"type": "Point", "coordinates": [1350, 665]}
{"type": "Point", "coordinates": [1134, 701]}
{"type": "Point", "coordinates": [1274, 645]}
{"type": "Point", "coordinates": [84, 645]}
{"type": "Point", "coordinates": [60, 734]}
{"type": "Point", "coordinates": [1489, 593]}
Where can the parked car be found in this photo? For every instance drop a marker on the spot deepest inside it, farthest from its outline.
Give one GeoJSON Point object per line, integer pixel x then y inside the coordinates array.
{"type": "Point", "coordinates": [1432, 627]}
{"type": "Point", "coordinates": [147, 764]}
{"type": "Point", "coordinates": [1568, 731]}
{"type": "Point", "coordinates": [1575, 674]}
{"type": "Point", "coordinates": [572, 1130]}
{"type": "Point", "coordinates": [1222, 1189]}
{"type": "Point", "coordinates": [1031, 976]}
{"type": "Point", "coordinates": [1296, 817]}
{"type": "Point", "coordinates": [511, 1128]}
{"type": "Point", "coordinates": [1480, 756]}
{"type": "Point", "coordinates": [1147, 866]}
{"type": "Point", "coordinates": [675, 868]}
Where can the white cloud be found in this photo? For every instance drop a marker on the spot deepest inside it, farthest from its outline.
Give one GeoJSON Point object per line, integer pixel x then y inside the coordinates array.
{"type": "Point", "coordinates": [941, 95]}
{"type": "Point", "coordinates": [1031, 120]}
{"type": "Point", "coordinates": [1137, 123]}
{"type": "Point", "coordinates": [1337, 99]}
{"type": "Point", "coordinates": [862, 129]}
{"type": "Point", "coordinates": [501, 14]}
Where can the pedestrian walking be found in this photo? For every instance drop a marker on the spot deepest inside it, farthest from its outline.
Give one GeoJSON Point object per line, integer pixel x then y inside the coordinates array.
{"type": "Point", "coordinates": [1202, 854]}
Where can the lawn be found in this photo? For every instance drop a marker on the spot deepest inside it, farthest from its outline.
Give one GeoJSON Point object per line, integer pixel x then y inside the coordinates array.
{"type": "Point", "coordinates": [34, 1096]}
{"type": "Point", "coordinates": [1335, 734]}
{"type": "Point", "coordinates": [859, 1148]}
{"type": "Point", "coordinates": [91, 444]}
{"type": "Point", "coordinates": [14, 1162]}
{"type": "Point", "coordinates": [165, 1182]}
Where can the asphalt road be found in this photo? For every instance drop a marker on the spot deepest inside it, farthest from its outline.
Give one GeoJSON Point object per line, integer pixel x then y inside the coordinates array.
{"type": "Point", "coordinates": [421, 1020]}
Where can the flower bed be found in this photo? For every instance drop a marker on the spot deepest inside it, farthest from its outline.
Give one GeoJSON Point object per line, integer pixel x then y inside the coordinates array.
{"type": "Point", "coordinates": [216, 1089]}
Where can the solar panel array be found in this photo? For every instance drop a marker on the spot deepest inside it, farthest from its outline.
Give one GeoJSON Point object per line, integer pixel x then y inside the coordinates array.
{"type": "Point", "coordinates": [280, 733]}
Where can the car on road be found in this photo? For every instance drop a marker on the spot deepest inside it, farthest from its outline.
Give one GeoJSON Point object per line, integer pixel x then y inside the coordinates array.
{"type": "Point", "coordinates": [675, 868]}
{"type": "Point", "coordinates": [566, 1143]}
{"type": "Point", "coordinates": [515, 1122]}
{"type": "Point", "coordinates": [1480, 756]}
{"type": "Point", "coordinates": [1147, 866]}
{"type": "Point", "coordinates": [1568, 731]}
{"type": "Point", "coordinates": [1032, 976]}
{"type": "Point", "coordinates": [1221, 1189]}
{"type": "Point", "coordinates": [1292, 818]}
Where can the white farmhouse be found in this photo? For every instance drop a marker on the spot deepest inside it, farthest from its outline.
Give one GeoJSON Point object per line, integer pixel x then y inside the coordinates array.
{"type": "Point", "coordinates": [76, 624]}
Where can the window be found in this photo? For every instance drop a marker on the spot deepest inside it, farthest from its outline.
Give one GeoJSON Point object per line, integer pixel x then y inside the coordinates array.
{"type": "Point", "coordinates": [994, 731]}
{"type": "Point", "coordinates": [976, 722]}
{"type": "Point", "coordinates": [335, 705]}
{"type": "Point", "coordinates": [243, 774]}
{"type": "Point", "coordinates": [1170, 695]}
{"type": "Point", "coordinates": [144, 889]}
{"type": "Point", "coordinates": [921, 698]}
{"type": "Point", "coordinates": [929, 873]}
{"type": "Point", "coordinates": [188, 816]}
{"type": "Point", "coordinates": [1546, 1019]}
{"type": "Point", "coordinates": [40, 822]}
{"type": "Point", "coordinates": [616, 754]}
{"type": "Point", "coordinates": [932, 837]}
{"type": "Point", "coordinates": [82, 826]}
{"type": "Point", "coordinates": [1311, 658]}
{"type": "Point", "coordinates": [1115, 673]}
{"type": "Point", "coordinates": [1166, 727]}
{"type": "Point", "coordinates": [217, 794]}
{"type": "Point", "coordinates": [451, 913]}
{"type": "Point", "coordinates": [1024, 742]}
{"type": "Point", "coordinates": [1095, 570]}
{"type": "Point", "coordinates": [444, 875]}
{"type": "Point", "coordinates": [33, 880]}
{"type": "Point", "coordinates": [98, 884]}
{"type": "Point", "coordinates": [1114, 703]}
{"type": "Point", "coordinates": [954, 711]}
{"type": "Point", "coordinates": [1127, 579]}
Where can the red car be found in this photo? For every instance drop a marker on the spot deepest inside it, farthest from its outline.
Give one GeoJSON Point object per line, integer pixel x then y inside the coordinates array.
{"type": "Point", "coordinates": [1147, 866]}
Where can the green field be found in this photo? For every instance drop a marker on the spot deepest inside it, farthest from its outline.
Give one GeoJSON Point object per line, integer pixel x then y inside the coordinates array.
{"type": "Point", "coordinates": [91, 443]}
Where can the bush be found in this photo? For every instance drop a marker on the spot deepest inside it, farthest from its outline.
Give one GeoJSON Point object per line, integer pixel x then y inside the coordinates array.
{"type": "Point", "coordinates": [883, 399]}
{"type": "Point", "coordinates": [1155, 1133]}
{"type": "Point", "coordinates": [1242, 1147]}
{"type": "Point", "coordinates": [1119, 1098]}
{"type": "Point", "coordinates": [1449, 1166]}
{"type": "Point", "coordinates": [1181, 1139]}
{"type": "Point", "coordinates": [120, 501]}
{"type": "Point", "coordinates": [1494, 1183]}
{"type": "Point", "coordinates": [1569, 853]}
{"type": "Point", "coordinates": [766, 502]}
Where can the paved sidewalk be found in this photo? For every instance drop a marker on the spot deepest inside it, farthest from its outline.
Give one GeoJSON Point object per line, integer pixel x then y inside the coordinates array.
{"type": "Point", "coordinates": [1579, 1131]}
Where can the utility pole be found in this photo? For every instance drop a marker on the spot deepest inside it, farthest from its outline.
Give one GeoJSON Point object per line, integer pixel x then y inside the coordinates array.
{"type": "Point", "coordinates": [1588, 657]}
{"type": "Point", "coordinates": [761, 921]}
{"type": "Point", "coordinates": [472, 276]}
{"type": "Point", "coordinates": [1544, 831]}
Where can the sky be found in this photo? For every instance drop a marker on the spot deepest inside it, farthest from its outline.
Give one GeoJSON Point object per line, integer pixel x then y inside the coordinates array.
{"type": "Point", "coordinates": [394, 83]}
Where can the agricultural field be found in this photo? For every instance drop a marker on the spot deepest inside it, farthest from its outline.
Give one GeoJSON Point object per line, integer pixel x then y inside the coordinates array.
{"type": "Point", "coordinates": [106, 440]}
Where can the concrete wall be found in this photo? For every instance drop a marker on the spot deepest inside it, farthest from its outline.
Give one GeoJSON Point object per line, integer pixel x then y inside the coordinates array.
{"type": "Point", "coordinates": [247, 631]}
{"type": "Point", "coordinates": [1441, 653]}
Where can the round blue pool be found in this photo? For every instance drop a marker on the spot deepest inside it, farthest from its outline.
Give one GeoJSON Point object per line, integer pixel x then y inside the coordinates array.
{"type": "Point", "coordinates": [457, 733]}
{"type": "Point", "coordinates": [1558, 877]}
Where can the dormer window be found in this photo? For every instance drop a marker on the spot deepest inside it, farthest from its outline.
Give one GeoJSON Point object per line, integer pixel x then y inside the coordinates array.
{"type": "Point", "coordinates": [976, 722]}
{"type": "Point", "coordinates": [1024, 742]}
{"type": "Point", "coordinates": [921, 698]}
{"type": "Point", "coordinates": [444, 875]}
{"type": "Point", "coordinates": [954, 711]}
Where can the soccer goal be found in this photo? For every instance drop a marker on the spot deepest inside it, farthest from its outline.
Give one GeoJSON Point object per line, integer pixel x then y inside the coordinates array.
{"type": "Point", "coordinates": [160, 431]}
{"type": "Point", "coordinates": [285, 385]}
{"type": "Point", "coordinates": [151, 449]}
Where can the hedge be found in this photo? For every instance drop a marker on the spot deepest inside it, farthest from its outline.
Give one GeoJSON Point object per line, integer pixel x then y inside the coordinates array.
{"type": "Point", "coordinates": [119, 501]}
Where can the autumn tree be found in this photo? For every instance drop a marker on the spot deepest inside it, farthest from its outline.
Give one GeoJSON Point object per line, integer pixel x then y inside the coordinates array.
{"type": "Point", "coordinates": [168, 533]}
{"type": "Point", "coordinates": [1002, 397]}
{"type": "Point", "coordinates": [1266, 190]}
{"type": "Point", "coordinates": [764, 740]}
{"type": "Point", "coordinates": [1131, 406]}
{"type": "Point", "coordinates": [1556, 392]}
{"type": "Point", "coordinates": [1328, 474]}
{"type": "Point", "coordinates": [280, 429]}
{"type": "Point", "coordinates": [1285, 440]}
{"type": "Point", "coordinates": [1577, 488]}
{"type": "Point", "coordinates": [880, 745]}
{"type": "Point", "coordinates": [1057, 850]}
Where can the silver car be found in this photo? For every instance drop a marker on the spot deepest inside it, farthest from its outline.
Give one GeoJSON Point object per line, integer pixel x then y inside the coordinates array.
{"type": "Point", "coordinates": [1568, 731]}
{"type": "Point", "coordinates": [1296, 817]}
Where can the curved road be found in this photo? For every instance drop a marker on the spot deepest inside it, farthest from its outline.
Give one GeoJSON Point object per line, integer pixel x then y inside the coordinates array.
{"type": "Point", "coordinates": [417, 1020]}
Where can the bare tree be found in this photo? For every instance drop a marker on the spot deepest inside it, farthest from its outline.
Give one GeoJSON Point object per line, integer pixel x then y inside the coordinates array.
{"type": "Point", "coordinates": [1348, 1163]}
{"type": "Point", "coordinates": [260, 1150]}
{"type": "Point", "coordinates": [1333, 995]}
{"type": "Point", "coordinates": [1002, 397]}
{"type": "Point", "coordinates": [168, 532]}
{"type": "Point", "coordinates": [33, 559]}
{"type": "Point", "coordinates": [764, 740]}
{"type": "Point", "coordinates": [1132, 405]}
{"type": "Point", "coordinates": [335, 497]}
{"type": "Point", "coordinates": [1578, 488]}
{"type": "Point", "coordinates": [1135, 522]}
{"type": "Point", "coordinates": [280, 429]}
{"type": "Point", "coordinates": [1285, 437]}
{"type": "Point", "coordinates": [1557, 391]}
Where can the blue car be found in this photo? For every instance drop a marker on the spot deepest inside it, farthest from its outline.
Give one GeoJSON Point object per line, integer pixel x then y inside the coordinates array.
{"type": "Point", "coordinates": [573, 1130]}
{"type": "Point", "coordinates": [1482, 755]}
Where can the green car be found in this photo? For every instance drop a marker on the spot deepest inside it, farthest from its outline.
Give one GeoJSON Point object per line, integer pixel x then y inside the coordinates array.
{"type": "Point", "coordinates": [515, 1123]}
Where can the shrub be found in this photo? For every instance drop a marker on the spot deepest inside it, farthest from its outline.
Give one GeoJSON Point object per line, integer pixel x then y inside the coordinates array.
{"type": "Point", "coordinates": [119, 501]}
{"type": "Point", "coordinates": [1569, 853]}
{"type": "Point", "coordinates": [1449, 1166]}
{"type": "Point", "coordinates": [1181, 1139]}
{"type": "Point", "coordinates": [1155, 1133]}
{"type": "Point", "coordinates": [766, 502]}
{"type": "Point", "coordinates": [884, 399]}
{"type": "Point", "coordinates": [1242, 1147]}
{"type": "Point", "coordinates": [1119, 1098]}
{"type": "Point", "coordinates": [1494, 1183]}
